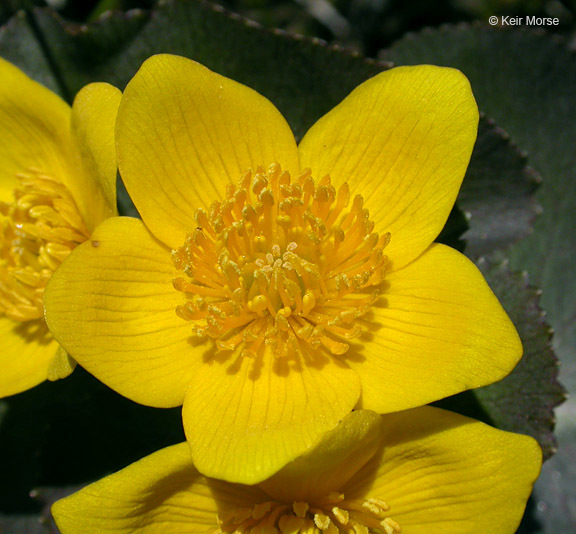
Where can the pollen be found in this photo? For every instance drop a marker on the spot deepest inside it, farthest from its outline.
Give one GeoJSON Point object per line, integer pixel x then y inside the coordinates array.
{"type": "Point", "coordinates": [40, 227]}
{"type": "Point", "coordinates": [333, 514]}
{"type": "Point", "coordinates": [287, 263]}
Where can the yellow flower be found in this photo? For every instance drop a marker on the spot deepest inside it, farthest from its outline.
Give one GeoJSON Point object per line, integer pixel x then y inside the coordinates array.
{"type": "Point", "coordinates": [57, 183]}
{"type": "Point", "coordinates": [418, 472]}
{"type": "Point", "coordinates": [271, 288]}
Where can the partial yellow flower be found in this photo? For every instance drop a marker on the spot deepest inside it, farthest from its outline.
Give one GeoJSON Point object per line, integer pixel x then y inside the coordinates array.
{"type": "Point", "coordinates": [271, 287]}
{"type": "Point", "coordinates": [57, 182]}
{"type": "Point", "coordinates": [418, 472]}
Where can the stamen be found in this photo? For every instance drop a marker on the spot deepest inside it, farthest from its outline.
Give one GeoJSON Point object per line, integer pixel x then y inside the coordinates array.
{"type": "Point", "coordinates": [39, 229]}
{"type": "Point", "coordinates": [318, 517]}
{"type": "Point", "coordinates": [285, 258]}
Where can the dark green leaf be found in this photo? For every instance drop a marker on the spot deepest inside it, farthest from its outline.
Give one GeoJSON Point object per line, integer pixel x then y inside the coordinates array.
{"type": "Point", "coordinates": [25, 524]}
{"type": "Point", "coordinates": [73, 431]}
{"type": "Point", "coordinates": [454, 229]}
{"type": "Point", "coordinates": [498, 193]}
{"type": "Point", "coordinates": [19, 44]}
{"type": "Point", "coordinates": [10, 7]}
{"type": "Point", "coordinates": [523, 402]}
{"type": "Point", "coordinates": [303, 77]}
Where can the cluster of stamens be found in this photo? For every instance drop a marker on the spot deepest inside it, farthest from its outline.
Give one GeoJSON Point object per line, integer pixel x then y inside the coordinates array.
{"type": "Point", "coordinates": [330, 515]}
{"type": "Point", "coordinates": [39, 229]}
{"type": "Point", "coordinates": [281, 262]}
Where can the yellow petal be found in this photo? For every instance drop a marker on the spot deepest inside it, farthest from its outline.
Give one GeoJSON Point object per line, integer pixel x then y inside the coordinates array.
{"type": "Point", "coordinates": [27, 352]}
{"type": "Point", "coordinates": [330, 463]}
{"type": "Point", "coordinates": [93, 121]}
{"type": "Point", "coordinates": [438, 330]}
{"type": "Point", "coordinates": [161, 494]}
{"type": "Point", "coordinates": [61, 365]}
{"type": "Point", "coordinates": [442, 472]}
{"type": "Point", "coordinates": [402, 140]}
{"type": "Point", "coordinates": [112, 307]}
{"type": "Point", "coordinates": [246, 418]}
{"type": "Point", "coordinates": [34, 128]}
{"type": "Point", "coordinates": [184, 133]}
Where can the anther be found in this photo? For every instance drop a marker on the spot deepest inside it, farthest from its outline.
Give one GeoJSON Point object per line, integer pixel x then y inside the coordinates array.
{"type": "Point", "coordinates": [258, 303]}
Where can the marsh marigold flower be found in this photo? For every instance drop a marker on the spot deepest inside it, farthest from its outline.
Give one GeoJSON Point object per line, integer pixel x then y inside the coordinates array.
{"type": "Point", "coordinates": [57, 183]}
{"type": "Point", "coordinates": [271, 288]}
{"type": "Point", "coordinates": [419, 472]}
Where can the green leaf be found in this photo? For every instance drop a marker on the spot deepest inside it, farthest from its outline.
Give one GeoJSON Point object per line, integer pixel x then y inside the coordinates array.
{"type": "Point", "coordinates": [10, 7]}
{"type": "Point", "coordinates": [40, 522]}
{"type": "Point", "coordinates": [497, 194]}
{"type": "Point", "coordinates": [526, 81]}
{"type": "Point", "coordinates": [25, 524]}
{"type": "Point", "coordinates": [20, 44]}
{"type": "Point", "coordinates": [523, 402]}
{"type": "Point", "coordinates": [72, 431]}
{"type": "Point", "coordinates": [304, 78]}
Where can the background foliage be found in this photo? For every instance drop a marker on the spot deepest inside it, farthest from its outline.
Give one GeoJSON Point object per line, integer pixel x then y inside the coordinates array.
{"type": "Point", "coordinates": [515, 213]}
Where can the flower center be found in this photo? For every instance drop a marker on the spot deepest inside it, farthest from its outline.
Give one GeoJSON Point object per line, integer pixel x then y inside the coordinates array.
{"type": "Point", "coordinates": [39, 229]}
{"type": "Point", "coordinates": [331, 515]}
{"type": "Point", "coordinates": [281, 262]}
